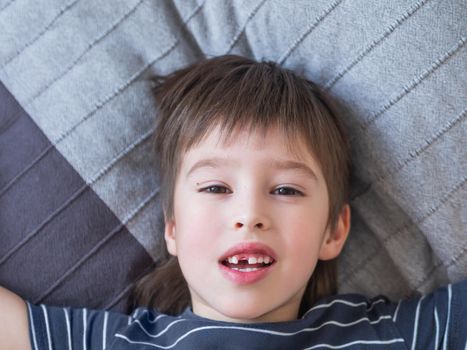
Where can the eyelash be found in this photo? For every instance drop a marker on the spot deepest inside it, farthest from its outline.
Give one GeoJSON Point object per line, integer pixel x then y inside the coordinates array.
{"type": "Point", "coordinates": [209, 189]}
{"type": "Point", "coordinates": [296, 192]}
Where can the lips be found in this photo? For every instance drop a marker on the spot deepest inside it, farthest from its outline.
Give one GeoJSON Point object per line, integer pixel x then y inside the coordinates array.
{"type": "Point", "coordinates": [247, 250]}
{"type": "Point", "coordinates": [247, 263]}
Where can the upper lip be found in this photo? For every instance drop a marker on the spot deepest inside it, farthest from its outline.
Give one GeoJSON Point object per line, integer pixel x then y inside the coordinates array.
{"type": "Point", "coordinates": [249, 248]}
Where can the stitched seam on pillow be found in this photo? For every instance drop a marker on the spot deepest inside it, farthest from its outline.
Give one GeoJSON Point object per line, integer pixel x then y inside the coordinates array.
{"type": "Point", "coordinates": [41, 33]}
{"type": "Point", "coordinates": [415, 153]}
{"type": "Point", "coordinates": [388, 31]}
{"type": "Point", "coordinates": [98, 106]}
{"type": "Point", "coordinates": [237, 36]}
{"type": "Point", "coordinates": [450, 263]}
{"type": "Point", "coordinates": [97, 246]}
{"type": "Point", "coordinates": [87, 49]}
{"type": "Point", "coordinates": [145, 137]}
{"type": "Point", "coordinates": [309, 29]}
{"type": "Point", "coordinates": [7, 124]}
{"type": "Point", "coordinates": [445, 199]}
{"type": "Point", "coordinates": [64, 135]}
{"type": "Point", "coordinates": [7, 5]}
{"type": "Point", "coordinates": [415, 82]}
{"type": "Point", "coordinates": [184, 28]}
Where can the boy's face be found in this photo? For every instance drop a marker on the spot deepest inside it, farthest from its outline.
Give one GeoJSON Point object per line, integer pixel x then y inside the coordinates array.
{"type": "Point", "coordinates": [237, 208]}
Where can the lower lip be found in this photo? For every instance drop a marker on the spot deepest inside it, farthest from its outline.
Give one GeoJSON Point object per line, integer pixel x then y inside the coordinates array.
{"type": "Point", "coordinates": [243, 278]}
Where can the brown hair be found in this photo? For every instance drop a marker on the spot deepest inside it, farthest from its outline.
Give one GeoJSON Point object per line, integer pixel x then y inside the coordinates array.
{"type": "Point", "coordinates": [237, 93]}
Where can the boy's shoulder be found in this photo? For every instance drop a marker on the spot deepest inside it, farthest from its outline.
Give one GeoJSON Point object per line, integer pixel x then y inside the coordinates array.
{"type": "Point", "coordinates": [420, 322]}
{"type": "Point", "coordinates": [348, 306]}
{"type": "Point", "coordinates": [357, 319]}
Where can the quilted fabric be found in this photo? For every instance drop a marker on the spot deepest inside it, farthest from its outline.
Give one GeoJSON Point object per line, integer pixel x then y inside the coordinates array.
{"type": "Point", "coordinates": [79, 201]}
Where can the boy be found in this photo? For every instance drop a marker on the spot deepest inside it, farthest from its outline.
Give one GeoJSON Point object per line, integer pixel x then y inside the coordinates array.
{"type": "Point", "coordinates": [254, 178]}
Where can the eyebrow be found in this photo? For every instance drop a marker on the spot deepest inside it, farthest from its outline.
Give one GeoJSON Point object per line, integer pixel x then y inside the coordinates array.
{"type": "Point", "coordinates": [208, 163]}
{"type": "Point", "coordinates": [277, 164]}
{"type": "Point", "coordinates": [294, 165]}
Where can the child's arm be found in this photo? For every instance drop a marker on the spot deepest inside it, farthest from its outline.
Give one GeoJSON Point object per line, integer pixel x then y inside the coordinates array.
{"type": "Point", "coordinates": [14, 331]}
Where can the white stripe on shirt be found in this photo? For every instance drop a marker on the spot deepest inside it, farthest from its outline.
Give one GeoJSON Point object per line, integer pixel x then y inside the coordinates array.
{"type": "Point", "coordinates": [415, 326]}
{"type": "Point", "coordinates": [374, 303]}
{"type": "Point", "coordinates": [84, 328]}
{"type": "Point", "coordinates": [34, 340]}
{"type": "Point", "coordinates": [161, 332]}
{"type": "Point", "coordinates": [135, 313]}
{"type": "Point", "coordinates": [155, 319]}
{"type": "Point", "coordinates": [68, 329]}
{"type": "Point", "coordinates": [394, 318]}
{"type": "Point", "coordinates": [446, 331]}
{"type": "Point", "coordinates": [375, 342]}
{"type": "Point", "coordinates": [437, 328]}
{"type": "Point", "coordinates": [104, 331]}
{"type": "Point", "coordinates": [337, 301]}
{"type": "Point", "coordinates": [49, 340]}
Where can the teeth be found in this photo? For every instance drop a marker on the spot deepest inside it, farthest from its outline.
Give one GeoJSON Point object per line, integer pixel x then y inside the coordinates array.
{"type": "Point", "coordinates": [252, 260]}
{"type": "Point", "coordinates": [247, 269]}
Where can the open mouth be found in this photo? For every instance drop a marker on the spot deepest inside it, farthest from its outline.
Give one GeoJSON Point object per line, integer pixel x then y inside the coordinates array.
{"type": "Point", "coordinates": [248, 262]}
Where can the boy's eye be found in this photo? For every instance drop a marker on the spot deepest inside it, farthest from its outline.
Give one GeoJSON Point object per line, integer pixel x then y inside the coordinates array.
{"type": "Point", "coordinates": [215, 189]}
{"type": "Point", "coordinates": [288, 191]}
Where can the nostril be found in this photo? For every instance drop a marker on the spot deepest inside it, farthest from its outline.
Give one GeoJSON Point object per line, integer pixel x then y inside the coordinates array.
{"type": "Point", "coordinates": [259, 225]}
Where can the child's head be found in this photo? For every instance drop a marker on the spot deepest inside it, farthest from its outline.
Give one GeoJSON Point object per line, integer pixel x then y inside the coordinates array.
{"type": "Point", "coordinates": [251, 159]}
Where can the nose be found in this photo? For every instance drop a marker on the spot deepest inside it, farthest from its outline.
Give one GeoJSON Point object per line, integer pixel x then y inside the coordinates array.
{"type": "Point", "coordinates": [252, 215]}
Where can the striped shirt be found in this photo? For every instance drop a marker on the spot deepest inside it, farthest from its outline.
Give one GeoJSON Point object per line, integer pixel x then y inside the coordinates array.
{"type": "Point", "coordinates": [435, 321]}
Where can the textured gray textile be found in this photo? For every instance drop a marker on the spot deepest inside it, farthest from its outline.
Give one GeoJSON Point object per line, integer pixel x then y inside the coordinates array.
{"type": "Point", "coordinates": [81, 70]}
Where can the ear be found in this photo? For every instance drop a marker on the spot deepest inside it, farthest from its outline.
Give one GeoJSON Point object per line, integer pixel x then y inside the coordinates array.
{"type": "Point", "coordinates": [334, 241]}
{"type": "Point", "coordinates": [169, 236]}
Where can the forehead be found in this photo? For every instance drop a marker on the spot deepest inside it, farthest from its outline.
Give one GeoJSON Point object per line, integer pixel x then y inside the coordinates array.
{"type": "Point", "coordinates": [255, 145]}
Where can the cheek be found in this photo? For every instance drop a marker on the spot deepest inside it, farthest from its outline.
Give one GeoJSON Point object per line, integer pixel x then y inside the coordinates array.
{"type": "Point", "coordinates": [303, 229]}
{"type": "Point", "coordinates": [197, 228]}
{"type": "Point", "coordinates": [310, 216]}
